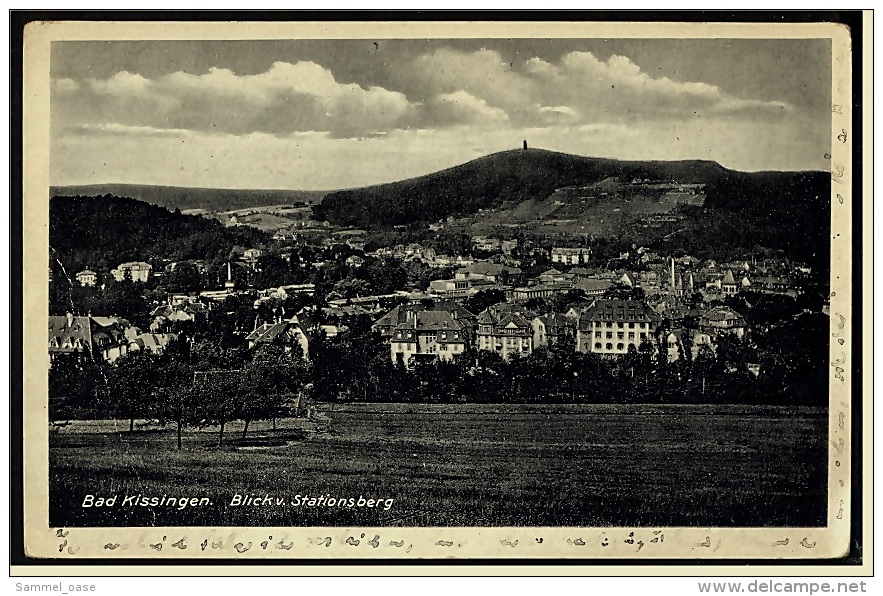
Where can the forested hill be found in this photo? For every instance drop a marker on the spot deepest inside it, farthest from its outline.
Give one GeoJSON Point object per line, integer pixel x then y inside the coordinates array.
{"type": "Point", "coordinates": [787, 211]}
{"type": "Point", "coordinates": [179, 197]}
{"type": "Point", "coordinates": [490, 181]}
{"type": "Point", "coordinates": [102, 232]}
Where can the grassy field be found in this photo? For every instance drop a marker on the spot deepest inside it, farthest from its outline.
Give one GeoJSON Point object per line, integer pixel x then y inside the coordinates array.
{"type": "Point", "coordinates": [465, 465]}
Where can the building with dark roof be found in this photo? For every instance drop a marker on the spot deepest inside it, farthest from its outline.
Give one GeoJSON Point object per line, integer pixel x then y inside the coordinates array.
{"type": "Point", "coordinates": [155, 343]}
{"type": "Point", "coordinates": [771, 284]}
{"type": "Point", "coordinates": [386, 324]}
{"type": "Point", "coordinates": [458, 288]}
{"type": "Point", "coordinates": [541, 290]}
{"type": "Point", "coordinates": [722, 319]}
{"type": "Point", "coordinates": [98, 337]}
{"type": "Point", "coordinates": [427, 335]}
{"type": "Point", "coordinates": [593, 286]}
{"type": "Point", "coordinates": [505, 329]}
{"type": "Point", "coordinates": [551, 329]}
{"type": "Point", "coordinates": [284, 333]}
{"type": "Point", "coordinates": [729, 286]}
{"type": "Point", "coordinates": [493, 272]}
{"type": "Point", "coordinates": [611, 326]}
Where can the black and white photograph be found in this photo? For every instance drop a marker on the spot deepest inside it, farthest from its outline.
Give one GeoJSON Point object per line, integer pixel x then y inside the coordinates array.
{"type": "Point", "coordinates": [443, 294]}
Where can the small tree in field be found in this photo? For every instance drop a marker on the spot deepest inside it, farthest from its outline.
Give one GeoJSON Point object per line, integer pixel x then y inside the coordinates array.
{"type": "Point", "coordinates": [269, 384]}
{"type": "Point", "coordinates": [176, 397]}
{"type": "Point", "coordinates": [132, 381]}
{"type": "Point", "coordinates": [214, 398]}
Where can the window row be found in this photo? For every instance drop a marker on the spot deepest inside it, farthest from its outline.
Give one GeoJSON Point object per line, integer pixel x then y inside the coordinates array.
{"type": "Point", "coordinates": [621, 335]}
{"type": "Point", "coordinates": [609, 346]}
{"type": "Point", "coordinates": [620, 325]}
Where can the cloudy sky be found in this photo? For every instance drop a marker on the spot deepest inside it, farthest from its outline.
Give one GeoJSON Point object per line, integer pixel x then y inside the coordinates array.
{"type": "Point", "coordinates": [325, 114]}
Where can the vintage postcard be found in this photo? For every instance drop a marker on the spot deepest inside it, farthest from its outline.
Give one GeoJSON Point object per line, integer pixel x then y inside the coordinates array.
{"type": "Point", "coordinates": [453, 290]}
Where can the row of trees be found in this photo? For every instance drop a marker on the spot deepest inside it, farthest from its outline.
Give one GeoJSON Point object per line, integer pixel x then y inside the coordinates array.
{"type": "Point", "coordinates": [199, 387]}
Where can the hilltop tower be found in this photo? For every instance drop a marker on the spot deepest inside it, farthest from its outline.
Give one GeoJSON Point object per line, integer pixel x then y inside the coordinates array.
{"type": "Point", "coordinates": [524, 145]}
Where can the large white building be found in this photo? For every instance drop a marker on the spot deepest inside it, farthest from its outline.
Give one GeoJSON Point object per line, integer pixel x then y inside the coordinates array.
{"type": "Point", "coordinates": [611, 326]}
{"type": "Point", "coordinates": [87, 278]}
{"type": "Point", "coordinates": [571, 256]}
{"type": "Point", "coordinates": [137, 270]}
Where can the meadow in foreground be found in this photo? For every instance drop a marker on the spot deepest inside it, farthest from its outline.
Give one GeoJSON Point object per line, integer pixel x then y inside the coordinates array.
{"type": "Point", "coordinates": [464, 465]}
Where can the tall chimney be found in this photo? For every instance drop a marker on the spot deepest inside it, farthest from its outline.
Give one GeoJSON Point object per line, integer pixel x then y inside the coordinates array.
{"type": "Point", "coordinates": [672, 273]}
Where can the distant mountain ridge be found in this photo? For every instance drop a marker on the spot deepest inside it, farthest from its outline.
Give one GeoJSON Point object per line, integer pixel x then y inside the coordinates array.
{"type": "Point", "coordinates": [489, 181]}
{"type": "Point", "coordinates": [184, 198]}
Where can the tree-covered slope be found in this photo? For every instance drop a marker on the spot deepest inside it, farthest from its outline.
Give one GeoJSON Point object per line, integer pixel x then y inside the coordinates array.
{"type": "Point", "coordinates": [101, 232]}
{"type": "Point", "coordinates": [180, 197]}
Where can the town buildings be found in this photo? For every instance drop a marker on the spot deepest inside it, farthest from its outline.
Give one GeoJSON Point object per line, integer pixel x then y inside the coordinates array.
{"type": "Point", "coordinates": [679, 288]}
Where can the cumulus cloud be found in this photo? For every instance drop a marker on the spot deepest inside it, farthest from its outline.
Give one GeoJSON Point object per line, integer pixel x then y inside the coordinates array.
{"type": "Point", "coordinates": [286, 98]}
{"type": "Point", "coordinates": [122, 84]}
{"type": "Point", "coordinates": [439, 89]}
{"type": "Point", "coordinates": [577, 88]}
{"type": "Point", "coordinates": [462, 108]}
